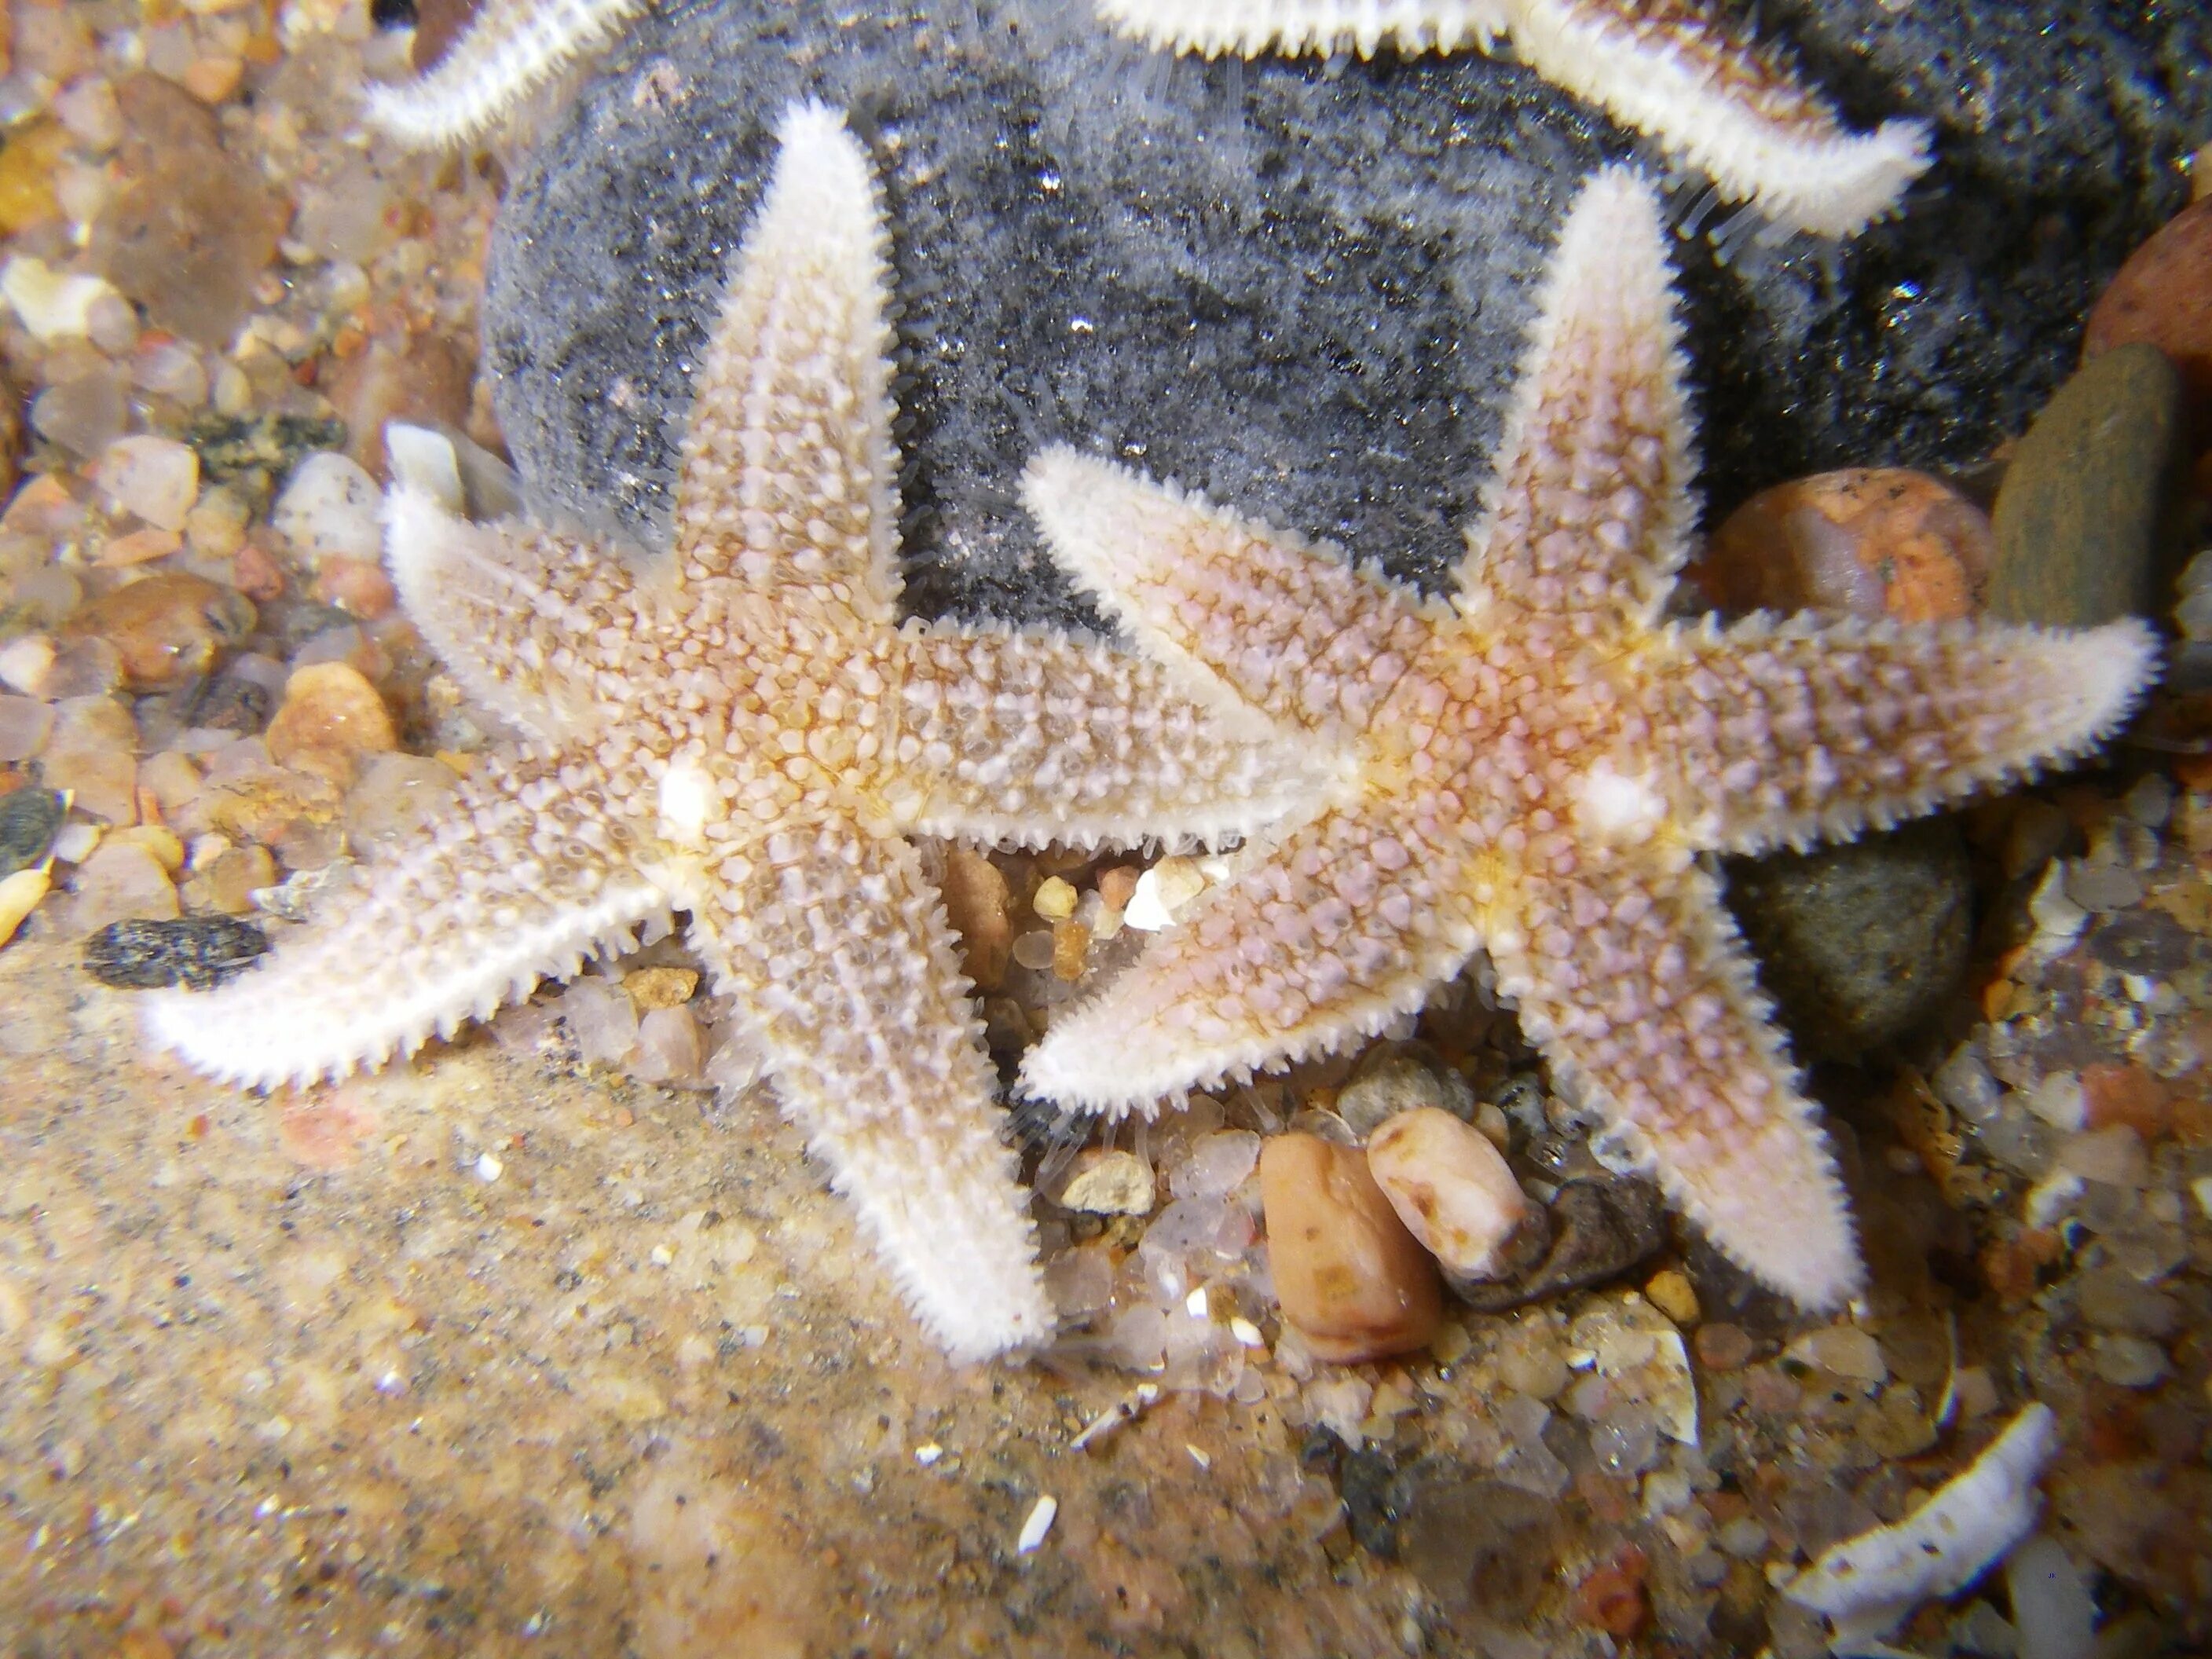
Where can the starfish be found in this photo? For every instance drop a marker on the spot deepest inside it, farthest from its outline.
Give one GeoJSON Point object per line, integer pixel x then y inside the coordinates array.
{"type": "Point", "coordinates": [1534, 765]}
{"type": "Point", "coordinates": [1673, 70]}
{"type": "Point", "coordinates": [509, 49]}
{"type": "Point", "coordinates": [741, 729]}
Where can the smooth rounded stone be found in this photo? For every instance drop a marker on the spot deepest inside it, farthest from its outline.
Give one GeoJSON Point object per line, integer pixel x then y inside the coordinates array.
{"type": "Point", "coordinates": [2054, 1607]}
{"type": "Point", "coordinates": [2163, 297]}
{"type": "Point", "coordinates": [1841, 1351]}
{"type": "Point", "coordinates": [2089, 520]}
{"type": "Point", "coordinates": [398, 797]}
{"type": "Point", "coordinates": [20, 895]}
{"type": "Point", "coordinates": [2114, 1156]}
{"type": "Point", "coordinates": [1102, 1182]}
{"type": "Point", "coordinates": [122, 880]}
{"type": "Point", "coordinates": [29, 818]}
{"type": "Point", "coordinates": [2111, 1299]}
{"type": "Point", "coordinates": [1671, 1292]}
{"type": "Point", "coordinates": [331, 508]}
{"type": "Point", "coordinates": [145, 954]}
{"type": "Point", "coordinates": [330, 705]}
{"type": "Point", "coordinates": [1479, 1545]}
{"type": "Point", "coordinates": [2096, 885]}
{"type": "Point", "coordinates": [167, 628]}
{"type": "Point", "coordinates": [1453, 1192]}
{"type": "Point", "coordinates": [156, 478]}
{"type": "Point", "coordinates": [1217, 1164]}
{"type": "Point", "coordinates": [2129, 1362]}
{"type": "Point", "coordinates": [1723, 1347]}
{"type": "Point", "coordinates": [980, 907]}
{"type": "Point", "coordinates": [229, 880]}
{"type": "Point", "coordinates": [1402, 1077]}
{"type": "Point", "coordinates": [1349, 1276]}
{"type": "Point", "coordinates": [1184, 262]}
{"type": "Point", "coordinates": [83, 414]}
{"type": "Point", "coordinates": [189, 230]}
{"type": "Point", "coordinates": [1868, 542]}
{"type": "Point", "coordinates": [1600, 1229]}
{"type": "Point", "coordinates": [1859, 942]}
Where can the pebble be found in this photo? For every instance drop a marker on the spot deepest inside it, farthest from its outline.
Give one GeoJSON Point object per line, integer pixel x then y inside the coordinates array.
{"type": "Point", "coordinates": [418, 382]}
{"type": "Point", "coordinates": [329, 706]}
{"type": "Point", "coordinates": [1868, 542]}
{"type": "Point", "coordinates": [1480, 1546]}
{"type": "Point", "coordinates": [189, 231]}
{"type": "Point", "coordinates": [331, 508]}
{"type": "Point", "coordinates": [26, 723]}
{"type": "Point", "coordinates": [653, 988]}
{"type": "Point", "coordinates": [1600, 1229]}
{"type": "Point", "coordinates": [1160, 892]}
{"type": "Point", "coordinates": [1054, 900]}
{"type": "Point", "coordinates": [1103, 1182]}
{"type": "Point", "coordinates": [1218, 1164]}
{"type": "Point", "coordinates": [1453, 1190]}
{"type": "Point", "coordinates": [20, 895]}
{"type": "Point", "coordinates": [1858, 943]}
{"type": "Point", "coordinates": [2129, 1362]}
{"type": "Point", "coordinates": [602, 1020]}
{"type": "Point", "coordinates": [122, 880]}
{"type": "Point", "coordinates": [196, 951]}
{"type": "Point", "coordinates": [2162, 297]}
{"type": "Point", "coordinates": [156, 478]}
{"type": "Point", "coordinates": [2114, 1156]}
{"type": "Point", "coordinates": [167, 629]}
{"type": "Point", "coordinates": [29, 816]}
{"type": "Point", "coordinates": [1402, 1077]}
{"type": "Point", "coordinates": [1722, 1347]}
{"type": "Point", "coordinates": [1672, 1293]}
{"type": "Point", "coordinates": [1350, 1277]}
{"type": "Point", "coordinates": [2086, 518]}
{"type": "Point", "coordinates": [981, 909]}
{"type": "Point", "coordinates": [82, 414]}
{"type": "Point", "coordinates": [2096, 885]}
{"type": "Point", "coordinates": [51, 304]}
{"type": "Point", "coordinates": [668, 1046]}
{"type": "Point", "coordinates": [228, 881]}
{"type": "Point", "coordinates": [2053, 1605]}
{"type": "Point", "coordinates": [1841, 1351]}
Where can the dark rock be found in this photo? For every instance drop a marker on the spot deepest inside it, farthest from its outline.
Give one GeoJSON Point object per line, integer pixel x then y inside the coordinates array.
{"type": "Point", "coordinates": [29, 819]}
{"type": "Point", "coordinates": [268, 446]}
{"type": "Point", "coordinates": [1373, 1496]}
{"type": "Point", "coordinates": [1297, 285]}
{"type": "Point", "coordinates": [198, 951]}
{"type": "Point", "coordinates": [2089, 518]}
{"type": "Point", "coordinates": [1857, 943]}
{"type": "Point", "coordinates": [1401, 1077]}
{"type": "Point", "coordinates": [228, 703]}
{"type": "Point", "coordinates": [1478, 1545]}
{"type": "Point", "coordinates": [1598, 1229]}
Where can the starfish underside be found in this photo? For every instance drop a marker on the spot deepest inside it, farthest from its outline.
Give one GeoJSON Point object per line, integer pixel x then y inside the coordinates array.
{"type": "Point", "coordinates": [742, 729]}
{"type": "Point", "coordinates": [1538, 765]}
{"type": "Point", "coordinates": [509, 49]}
{"type": "Point", "coordinates": [1673, 70]}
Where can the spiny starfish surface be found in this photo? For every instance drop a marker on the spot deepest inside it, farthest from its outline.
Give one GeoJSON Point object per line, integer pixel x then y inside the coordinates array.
{"type": "Point", "coordinates": [1674, 69]}
{"type": "Point", "coordinates": [742, 729]}
{"type": "Point", "coordinates": [509, 49]}
{"type": "Point", "coordinates": [1534, 765]}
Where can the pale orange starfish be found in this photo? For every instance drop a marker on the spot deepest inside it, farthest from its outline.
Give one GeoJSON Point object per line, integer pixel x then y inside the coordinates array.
{"type": "Point", "coordinates": [1537, 766]}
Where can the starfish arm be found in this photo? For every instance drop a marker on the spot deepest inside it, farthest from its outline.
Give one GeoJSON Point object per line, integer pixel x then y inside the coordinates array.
{"type": "Point", "coordinates": [788, 475]}
{"type": "Point", "coordinates": [834, 946]}
{"type": "Point", "coordinates": [519, 881]}
{"type": "Point", "coordinates": [1246, 28]}
{"type": "Point", "coordinates": [508, 607]}
{"type": "Point", "coordinates": [510, 49]}
{"type": "Point", "coordinates": [1782, 732]}
{"type": "Point", "coordinates": [1710, 95]}
{"type": "Point", "coordinates": [1247, 615]}
{"type": "Point", "coordinates": [1630, 978]}
{"type": "Point", "coordinates": [1036, 737]}
{"type": "Point", "coordinates": [1327, 936]}
{"type": "Point", "coordinates": [1590, 510]}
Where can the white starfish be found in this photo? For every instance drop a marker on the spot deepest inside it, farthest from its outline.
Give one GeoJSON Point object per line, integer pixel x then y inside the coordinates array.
{"type": "Point", "coordinates": [1671, 69]}
{"type": "Point", "coordinates": [510, 49]}
{"type": "Point", "coordinates": [1537, 764]}
{"type": "Point", "coordinates": [741, 729]}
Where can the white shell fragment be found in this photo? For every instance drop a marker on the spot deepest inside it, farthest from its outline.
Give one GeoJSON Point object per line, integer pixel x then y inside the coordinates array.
{"type": "Point", "coordinates": [1868, 1584]}
{"type": "Point", "coordinates": [1038, 1524]}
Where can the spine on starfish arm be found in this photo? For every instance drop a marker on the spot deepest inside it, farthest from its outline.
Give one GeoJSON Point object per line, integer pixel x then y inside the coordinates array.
{"type": "Point", "coordinates": [1244, 28]}
{"type": "Point", "coordinates": [1714, 98]}
{"type": "Point", "coordinates": [512, 48]}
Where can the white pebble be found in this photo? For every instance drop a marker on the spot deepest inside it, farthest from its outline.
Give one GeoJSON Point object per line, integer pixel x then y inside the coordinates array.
{"type": "Point", "coordinates": [488, 1168]}
{"type": "Point", "coordinates": [2051, 1607]}
{"type": "Point", "coordinates": [330, 509]}
{"type": "Point", "coordinates": [1450, 1188]}
{"type": "Point", "coordinates": [156, 478]}
{"type": "Point", "coordinates": [1038, 1524]}
{"type": "Point", "coordinates": [2059, 1101]}
{"type": "Point", "coordinates": [53, 305]}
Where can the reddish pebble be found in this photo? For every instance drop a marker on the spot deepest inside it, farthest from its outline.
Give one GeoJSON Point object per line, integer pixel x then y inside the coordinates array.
{"type": "Point", "coordinates": [329, 706]}
{"type": "Point", "coordinates": [1722, 1347]}
{"type": "Point", "coordinates": [357, 586]}
{"type": "Point", "coordinates": [323, 1129]}
{"type": "Point", "coordinates": [256, 574]}
{"type": "Point", "coordinates": [167, 629]}
{"type": "Point", "coordinates": [1611, 1599]}
{"type": "Point", "coordinates": [2128, 1094]}
{"type": "Point", "coordinates": [1868, 542]}
{"type": "Point", "coordinates": [2163, 297]}
{"type": "Point", "coordinates": [1350, 1277]}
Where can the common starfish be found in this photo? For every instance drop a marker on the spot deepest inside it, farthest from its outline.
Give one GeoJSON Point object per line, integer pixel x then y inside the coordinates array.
{"type": "Point", "coordinates": [509, 49]}
{"type": "Point", "coordinates": [1673, 70]}
{"type": "Point", "coordinates": [1533, 766]}
{"type": "Point", "coordinates": [743, 730]}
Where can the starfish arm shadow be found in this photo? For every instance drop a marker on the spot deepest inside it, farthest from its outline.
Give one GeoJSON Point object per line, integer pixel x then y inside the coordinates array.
{"type": "Point", "coordinates": [510, 48]}
{"type": "Point", "coordinates": [839, 955]}
{"type": "Point", "coordinates": [1783, 733]}
{"type": "Point", "coordinates": [1629, 975]}
{"type": "Point", "coordinates": [1328, 935]}
{"type": "Point", "coordinates": [520, 881]}
{"type": "Point", "coordinates": [1036, 736]}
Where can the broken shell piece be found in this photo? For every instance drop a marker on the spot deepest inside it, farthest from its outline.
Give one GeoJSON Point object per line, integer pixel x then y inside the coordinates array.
{"type": "Point", "coordinates": [1109, 1183]}
{"type": "Point", "coordinates": [1450, 1188]}
{"type": "Point", "coordinates": [1868, 1584]}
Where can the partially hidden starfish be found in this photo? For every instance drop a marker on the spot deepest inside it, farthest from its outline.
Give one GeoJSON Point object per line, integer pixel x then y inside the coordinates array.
{"type": "Point", "coordinates": [1534, 765]}
{"type": "Point", "coordinates": [743, 730]}
{"type": "Point", "coordinates": [507, 51]}
{"type": "Point", "coordinates": [1673, 70]}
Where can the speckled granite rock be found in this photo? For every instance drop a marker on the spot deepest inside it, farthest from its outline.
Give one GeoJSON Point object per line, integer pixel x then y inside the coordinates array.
{"type": "Point", "coordinates": [1299, 285]}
